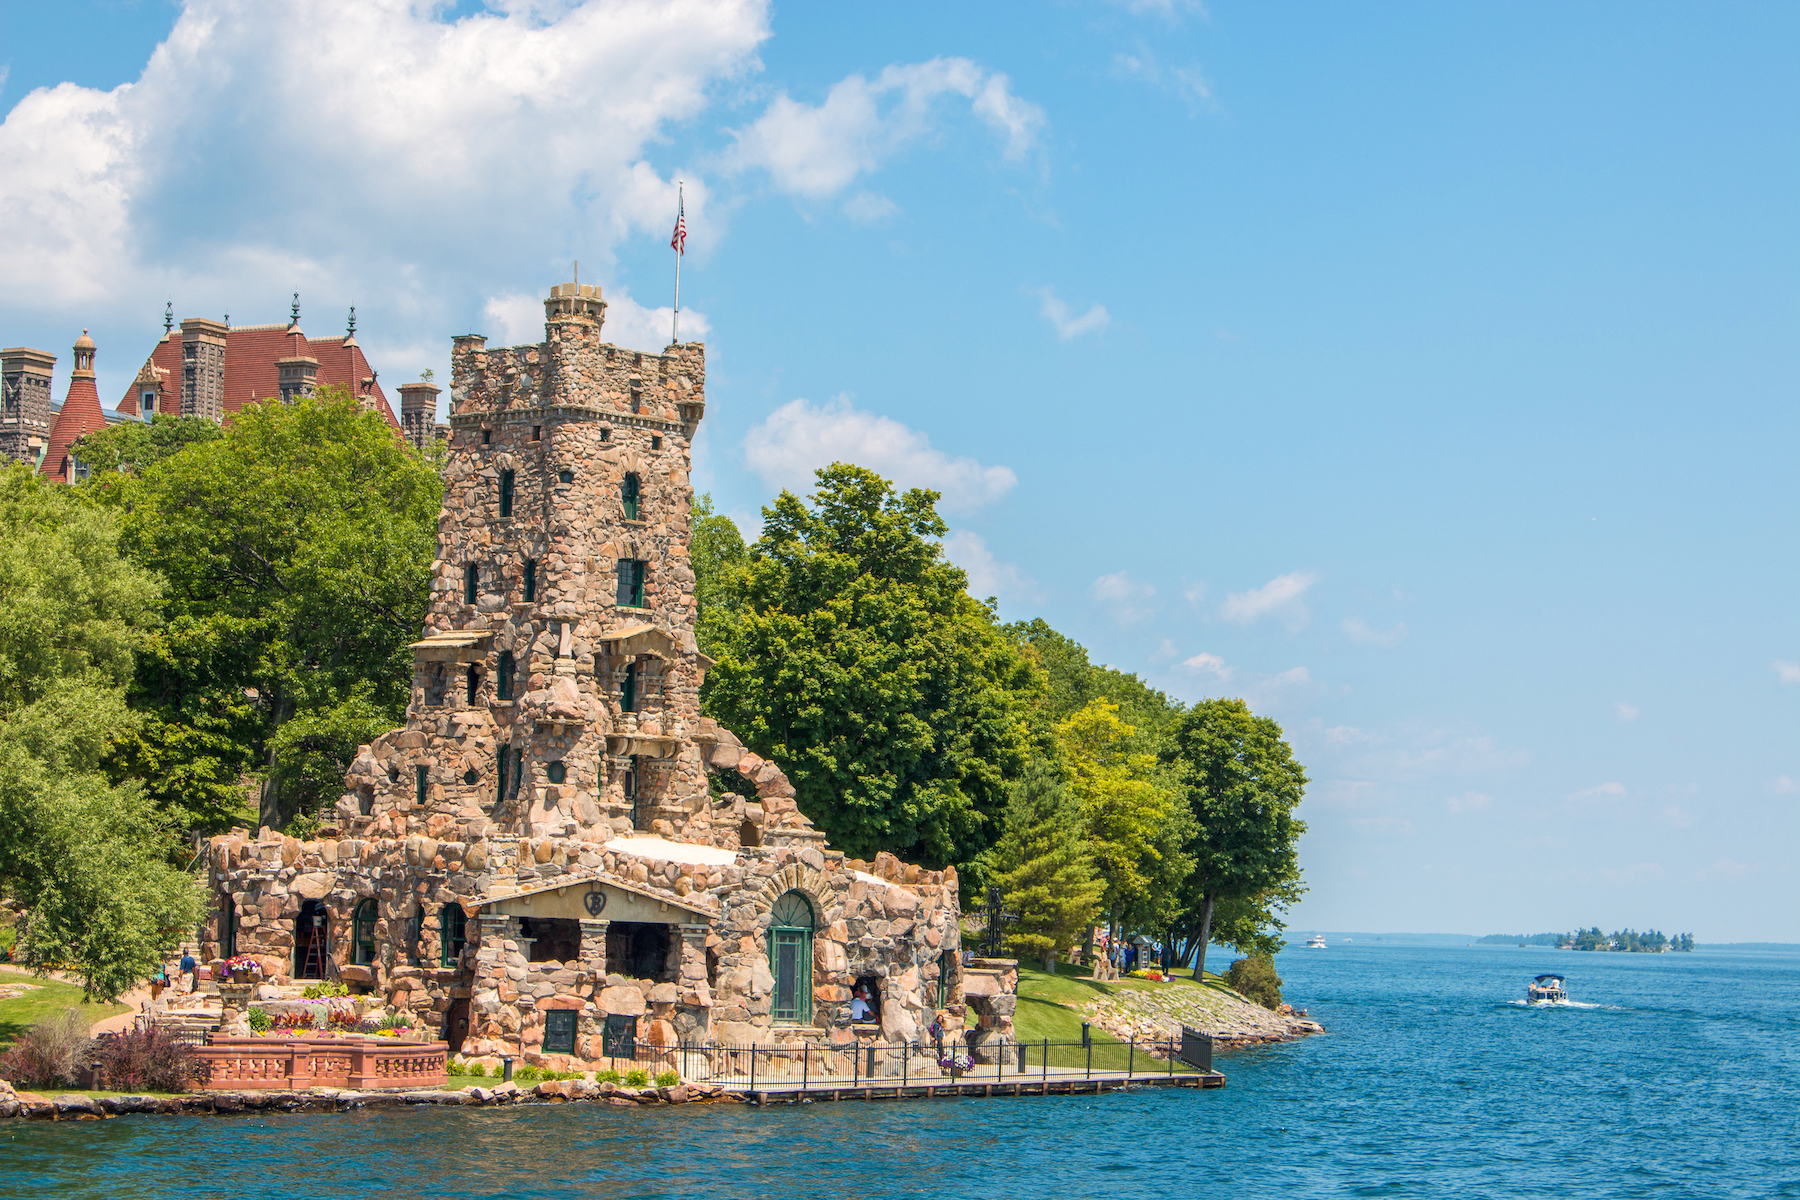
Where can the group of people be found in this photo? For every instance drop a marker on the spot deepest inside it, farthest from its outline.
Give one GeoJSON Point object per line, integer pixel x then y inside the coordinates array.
{"type": "Point", "coordinates": [190, 970]}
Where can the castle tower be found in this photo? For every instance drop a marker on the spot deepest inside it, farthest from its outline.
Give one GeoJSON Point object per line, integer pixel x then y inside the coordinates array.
{"type": "Point", "coordinates": [80, 414]}
{"type": "Point", "coordinates": [203, 368]}
{"type": "Point", "coordinates": [418, 413]}
{"type": "Point", "coordinates": [24, 403]}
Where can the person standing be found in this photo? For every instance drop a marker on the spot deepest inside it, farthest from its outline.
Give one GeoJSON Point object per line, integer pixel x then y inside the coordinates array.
{"type": "Point", "coordinates": [191, 969]}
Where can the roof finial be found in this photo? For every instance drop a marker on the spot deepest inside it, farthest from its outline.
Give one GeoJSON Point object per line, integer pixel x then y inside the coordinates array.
{"type": "Point", "coordinates": [296, 312]}
{"type": "Point", "coordinates": [352, 332]}
{"type": "Point", "coordinates": [578, 277]}
{"type": "Point", "coordinates": [169, 317]}
{"type": "Point", "coordinates": [228, 320]}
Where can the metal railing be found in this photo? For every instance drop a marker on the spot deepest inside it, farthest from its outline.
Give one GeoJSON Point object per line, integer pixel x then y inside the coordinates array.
{"type": "Point", "coordinates": [904, 1065]}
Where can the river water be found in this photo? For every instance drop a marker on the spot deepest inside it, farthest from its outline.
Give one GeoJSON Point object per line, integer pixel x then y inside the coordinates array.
{"type": "Point", "coordinates": [1682, 1079]}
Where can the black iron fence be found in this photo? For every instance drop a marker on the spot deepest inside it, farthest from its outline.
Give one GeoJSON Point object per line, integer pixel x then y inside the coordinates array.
{"type": "Point", "coordinates": [902, 1064]}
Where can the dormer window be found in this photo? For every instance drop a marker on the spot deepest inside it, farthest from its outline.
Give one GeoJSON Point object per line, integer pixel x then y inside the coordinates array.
{"type": "Point", "coordinates": [628, 494]}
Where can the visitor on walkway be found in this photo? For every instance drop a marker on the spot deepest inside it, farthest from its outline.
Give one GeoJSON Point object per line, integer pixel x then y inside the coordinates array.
{"type": "Point", "coordinates": [158, 982]}
{"type": "Point", "coordinates": [191, 969]}
{"type": "Point", "coordinates": [859, 1004]}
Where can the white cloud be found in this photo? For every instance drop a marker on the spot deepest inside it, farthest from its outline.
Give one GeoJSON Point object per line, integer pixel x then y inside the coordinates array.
{"type": "Point", "coordinates": [818, 151]}
{"type": "Point", "coordinates": [1787, 672]}
{"type": "Point", "coordinates": [1280, 595]}
{"type": "Point", "coordinates": [1293, 675]}
{"type": "Point", "coordinates": [1359, 631]}
{"type": "Point", "coordinates": [1067, 327]}
{"type": "Point", "coordinates": [1784, 785]}
{"type": "Point", "coordinates": [1628, 712]}
{"type": "Point", "coordinates": [346, 162]}
{"type": "Point", "coordinates": [867, 208]}
{"type": "Point", "coordinates": [517, 318]}
{"type": "Point", "coordinates": [1611, 788]}
{"type": "Point", "coordinates": [1194, 593]}
{"type": "Point", "coordinates": [987, 575]}
{"type": "Point", "coordinates": [1467, 802]}
{"type": "Point", "coordinates": [1349, 735]}
{"type": "Point", "coordinates": [799, 437]}
{"type": "Point", "coordinates": [1189, 82]}
{"type": "Point", "coordinates": [1126, 598]}
{"type": "Point", "coordinates": [1167, 9]}
{"type": "Point", "coordinates": [1212, 663]}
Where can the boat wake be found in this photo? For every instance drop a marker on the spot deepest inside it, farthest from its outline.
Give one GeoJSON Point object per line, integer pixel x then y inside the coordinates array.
{"type": "Point", "coordinates": [1556, 1004]}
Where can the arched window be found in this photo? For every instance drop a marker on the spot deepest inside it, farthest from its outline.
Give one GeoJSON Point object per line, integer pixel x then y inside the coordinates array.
{"type": "Point", "coordinates": [628, 493]}
{"type": "Point", "coordinates": [452, 934]}
{"type": "Point", "coordinates": [503, 681]}
{"type": "Point", "coordinates": [362, 934]}
{"type": "Point", "coordinates": [791, 958]}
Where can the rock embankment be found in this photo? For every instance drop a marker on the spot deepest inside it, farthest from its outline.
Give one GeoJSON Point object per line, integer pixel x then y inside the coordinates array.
{"type": "Point", "coordinates": [1156, 1014]}
{"type": "Point", "coordinates": [77, 1107]}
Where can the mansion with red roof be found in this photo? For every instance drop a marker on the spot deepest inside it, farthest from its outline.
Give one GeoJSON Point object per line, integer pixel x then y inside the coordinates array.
{"type": "Point", "coordinates": [204, 368]}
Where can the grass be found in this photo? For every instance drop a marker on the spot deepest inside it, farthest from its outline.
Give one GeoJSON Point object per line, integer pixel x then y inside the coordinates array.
{"type": "Point", "coordinates": [46, 1000]}
{"type": "Point", "coordinates": [1049, 1007]}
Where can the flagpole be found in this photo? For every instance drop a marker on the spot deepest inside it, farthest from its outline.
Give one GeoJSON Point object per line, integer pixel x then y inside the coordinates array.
{"type": "Point", "coordinates": [675, 329]}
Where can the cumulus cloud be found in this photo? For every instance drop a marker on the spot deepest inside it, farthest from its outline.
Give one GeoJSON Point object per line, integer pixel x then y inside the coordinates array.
{"type": "Point", "coordinates": [817, 151]}
{"type": "Point", "coordinates": [1281, 594]}
{"type": "Point", "coordinates": [1127, 599]}
{"type": "Point", "coordinates": [1211, 663]}
{"type": "Point", "coordinates": [1068, 326]}
{"type": "Point", "coordinates": [1627, 712]}
{"type": "Point", "coordinates": [517, 318]}
{"type": "Point", "coordinates": [988, 576]}
{"type": "Point", "coordinates": [1787, 672]}
{"type": "Point", "coordinates": [799, 437]}
{"type": "Point", "coordinates": [1387, 639]}
{"type": "Point", "coordinates": [378, 135]}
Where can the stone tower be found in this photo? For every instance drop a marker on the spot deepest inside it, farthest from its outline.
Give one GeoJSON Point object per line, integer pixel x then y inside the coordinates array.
{"type": "Point", "coordinates": [24, 402]}
{"type": "Point", "coordinates": [203, 369]}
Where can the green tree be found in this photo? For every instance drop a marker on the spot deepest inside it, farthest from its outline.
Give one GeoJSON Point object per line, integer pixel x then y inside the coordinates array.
{"type": "Point", "coordinates": [132, 446]}
{"type": "Point", "coordinates": [1241, 782]}
{"type": "Point", "coordinates": [1074, 682]}
{"type": "Point", "coordinates": [299, 546]}
{"type": "Point", "coordinates": [719, 559]}
{"type": "Point", "coordinates": [1253, 977]}
{"type": "Point", "coordinates": [88, 863]}
{"type": "Point", "coordinates": [1045, 867]}
{"type": "Point", "coordinates": [861, 665]}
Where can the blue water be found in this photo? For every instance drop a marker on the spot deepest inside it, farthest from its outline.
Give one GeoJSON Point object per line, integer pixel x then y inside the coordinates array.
{"type": "Point", "coordinates": [1683, 1080]}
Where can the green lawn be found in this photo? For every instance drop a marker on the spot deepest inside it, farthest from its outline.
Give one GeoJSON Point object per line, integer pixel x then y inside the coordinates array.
{"type": "Point", "coordinates": [49, 998]}
{"type": "Point", "coordinates": [1049, 1008]}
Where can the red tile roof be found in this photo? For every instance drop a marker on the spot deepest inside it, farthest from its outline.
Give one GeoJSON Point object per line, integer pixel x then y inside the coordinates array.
{"type": "Point", "coordinates": [250, 372]}
{"type": "Point", "coordinates": [80, 414]}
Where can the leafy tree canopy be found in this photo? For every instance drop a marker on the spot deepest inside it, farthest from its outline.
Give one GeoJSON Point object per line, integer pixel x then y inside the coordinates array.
{"type": "Point", "coordinates": [1074, 682]}
{"type": "Point", "coordinates": [1241, 782]}
{"type": "Point", "coordinates": [297, 550]}
{"type": "Point", "coordinates": [1045, 866]}
{"type": "Point", "coordinates": [87, 862]}
{"type": "Point", "coordinates": [132, 446]}
{"type": "Point", "coordinates": [1124, 805]}
{"type": "Point", "coordinates": [859, 663]}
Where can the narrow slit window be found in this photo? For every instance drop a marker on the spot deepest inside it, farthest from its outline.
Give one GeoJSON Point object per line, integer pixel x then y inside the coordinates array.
{"type": "Point", "coordinates": [628, 689]}
{"type": "Point", "coordinates": [506, 493]}
{"type": "Point", "coordinates": [421, 784]}
{"type": "Point", "coordinates": [500, 791]}
{"type": "Point", "coordinates": [537, 431]}
{"type": "Point", "coordinates": [628, 493]}
{"type": "Point", "coordinates": [474, 684]}
{"type": "Point", "coordinates": [471, 583]}
{"type": "Point", "coordinates": [530, 580]}
{"type": "Point", "coordinates": [656, 442]}
{"type": "Point", "coordinates": [452, 934]}
{"type": "Point", "coordinates": [503, 683]}
{"type": "Point", "coordinates": [628, 784]}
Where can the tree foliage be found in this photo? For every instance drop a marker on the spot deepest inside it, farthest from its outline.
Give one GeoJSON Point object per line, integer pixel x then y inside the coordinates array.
{"type": "Point", "coordinates": [1241, 782]}
{"type": "Point", "coordinates": [132, 446]}
{"type": "Point", "coordinates": [1124, 807]}
{"type": "Point", "coordinates": [1253, 977]}
{"type": "Point", "coordinates": [1045, 866]}
{"type": "Point", "coordinates": [88, 862]}
{"type": "Point", "coordinates": [297, 550]}
{"type": "Point", "coordinates": [856, 659]}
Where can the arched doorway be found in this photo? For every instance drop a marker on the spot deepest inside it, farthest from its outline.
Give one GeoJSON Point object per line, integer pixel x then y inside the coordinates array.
{"type": "Point", "coordinates": [456, 1025]}
{"type": "Point", "coordinates": [312, 940]}
{"type": "Point", "coordinates": [791, 921]}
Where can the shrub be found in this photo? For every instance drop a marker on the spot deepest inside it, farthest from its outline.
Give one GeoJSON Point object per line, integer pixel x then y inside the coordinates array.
{"type": "Point", "coordinates": [637, 1078]}
{"type": "Point", "coordinates": [145, 1060]}
{"type": "Point", "coordinates": [318, 991]}
{"type": "Point", "coordinates": [259, 1020]}
{"type": "Point", "coordinates": [51, 1052]}
{"type": "Point", "coordinates": [667, 1079]}
{"type": "Point", "coordinates": [527, 1073]}
{"type": "Point", "coordinates": [475, 1069]}
{"type": "Point", "coordinates": [610, 1075]}
{"type": "Point", "coordinates": [1254, 979]}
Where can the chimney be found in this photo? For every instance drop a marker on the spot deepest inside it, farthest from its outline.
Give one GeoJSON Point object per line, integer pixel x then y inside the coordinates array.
{"type": "Point", "coordinates": [203, 369]}
{"type": "Point", "coordinates": [24, 402]}
{"type": "Point", "coordinates": [418, 412]}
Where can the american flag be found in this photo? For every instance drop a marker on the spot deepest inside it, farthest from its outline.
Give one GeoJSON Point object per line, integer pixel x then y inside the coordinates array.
{"type": "Point", "coordinates": [678, 243]}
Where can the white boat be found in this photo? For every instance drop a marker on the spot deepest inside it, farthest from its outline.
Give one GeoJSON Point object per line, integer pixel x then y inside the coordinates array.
{"type": "Point", "coordinates": [1316, 942]}
{"type": "Point", "coordinates": [1546, 989]}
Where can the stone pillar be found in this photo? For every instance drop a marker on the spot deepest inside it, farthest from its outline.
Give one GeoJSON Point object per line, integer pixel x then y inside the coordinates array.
{"type": "Point", "coordinates": [24, 402]}
{"type": "Point", "coordinates": [203, 369]}
{"type": "Point", "coordinates": [691, 968]}
{"type": "Point", "coordinates": [593, 947]}
{"type": "Point", "coordinates": [418, 413]}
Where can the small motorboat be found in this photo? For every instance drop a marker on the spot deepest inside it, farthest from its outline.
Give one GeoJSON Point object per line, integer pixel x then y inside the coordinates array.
{"type": "Point", "coordinates": [1316, 942]}
{"type": "Point", "coordinates": [1546, 989]}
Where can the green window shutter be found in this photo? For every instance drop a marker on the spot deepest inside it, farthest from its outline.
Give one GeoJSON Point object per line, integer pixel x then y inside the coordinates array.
{"type": "Point", "coordinates": [637, 584]}
{"type": "Point", "coordinates": [451, 921]}
{"type": "Point", "coordinates": [362, 934]}
{"type": "Point", "coordinates": [628, 689]}
{"type": "Point", "coordinates": [791, 922]}
{"type": "Point", "coordinates": [628, 494]}
{"type": "Point", "coordinates": [559, 1031]}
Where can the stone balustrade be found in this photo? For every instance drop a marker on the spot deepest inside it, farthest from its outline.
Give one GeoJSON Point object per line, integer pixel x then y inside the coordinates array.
{"type": "Point", "coordinates": [285, 1064]}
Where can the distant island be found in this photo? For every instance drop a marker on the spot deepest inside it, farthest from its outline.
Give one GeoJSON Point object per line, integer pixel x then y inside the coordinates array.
{"type": "Point", "coordinates": [1627, 940]}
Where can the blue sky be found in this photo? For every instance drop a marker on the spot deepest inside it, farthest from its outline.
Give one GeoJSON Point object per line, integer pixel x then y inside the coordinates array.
{"type": "Point", "coordinates": [1424, 373]}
